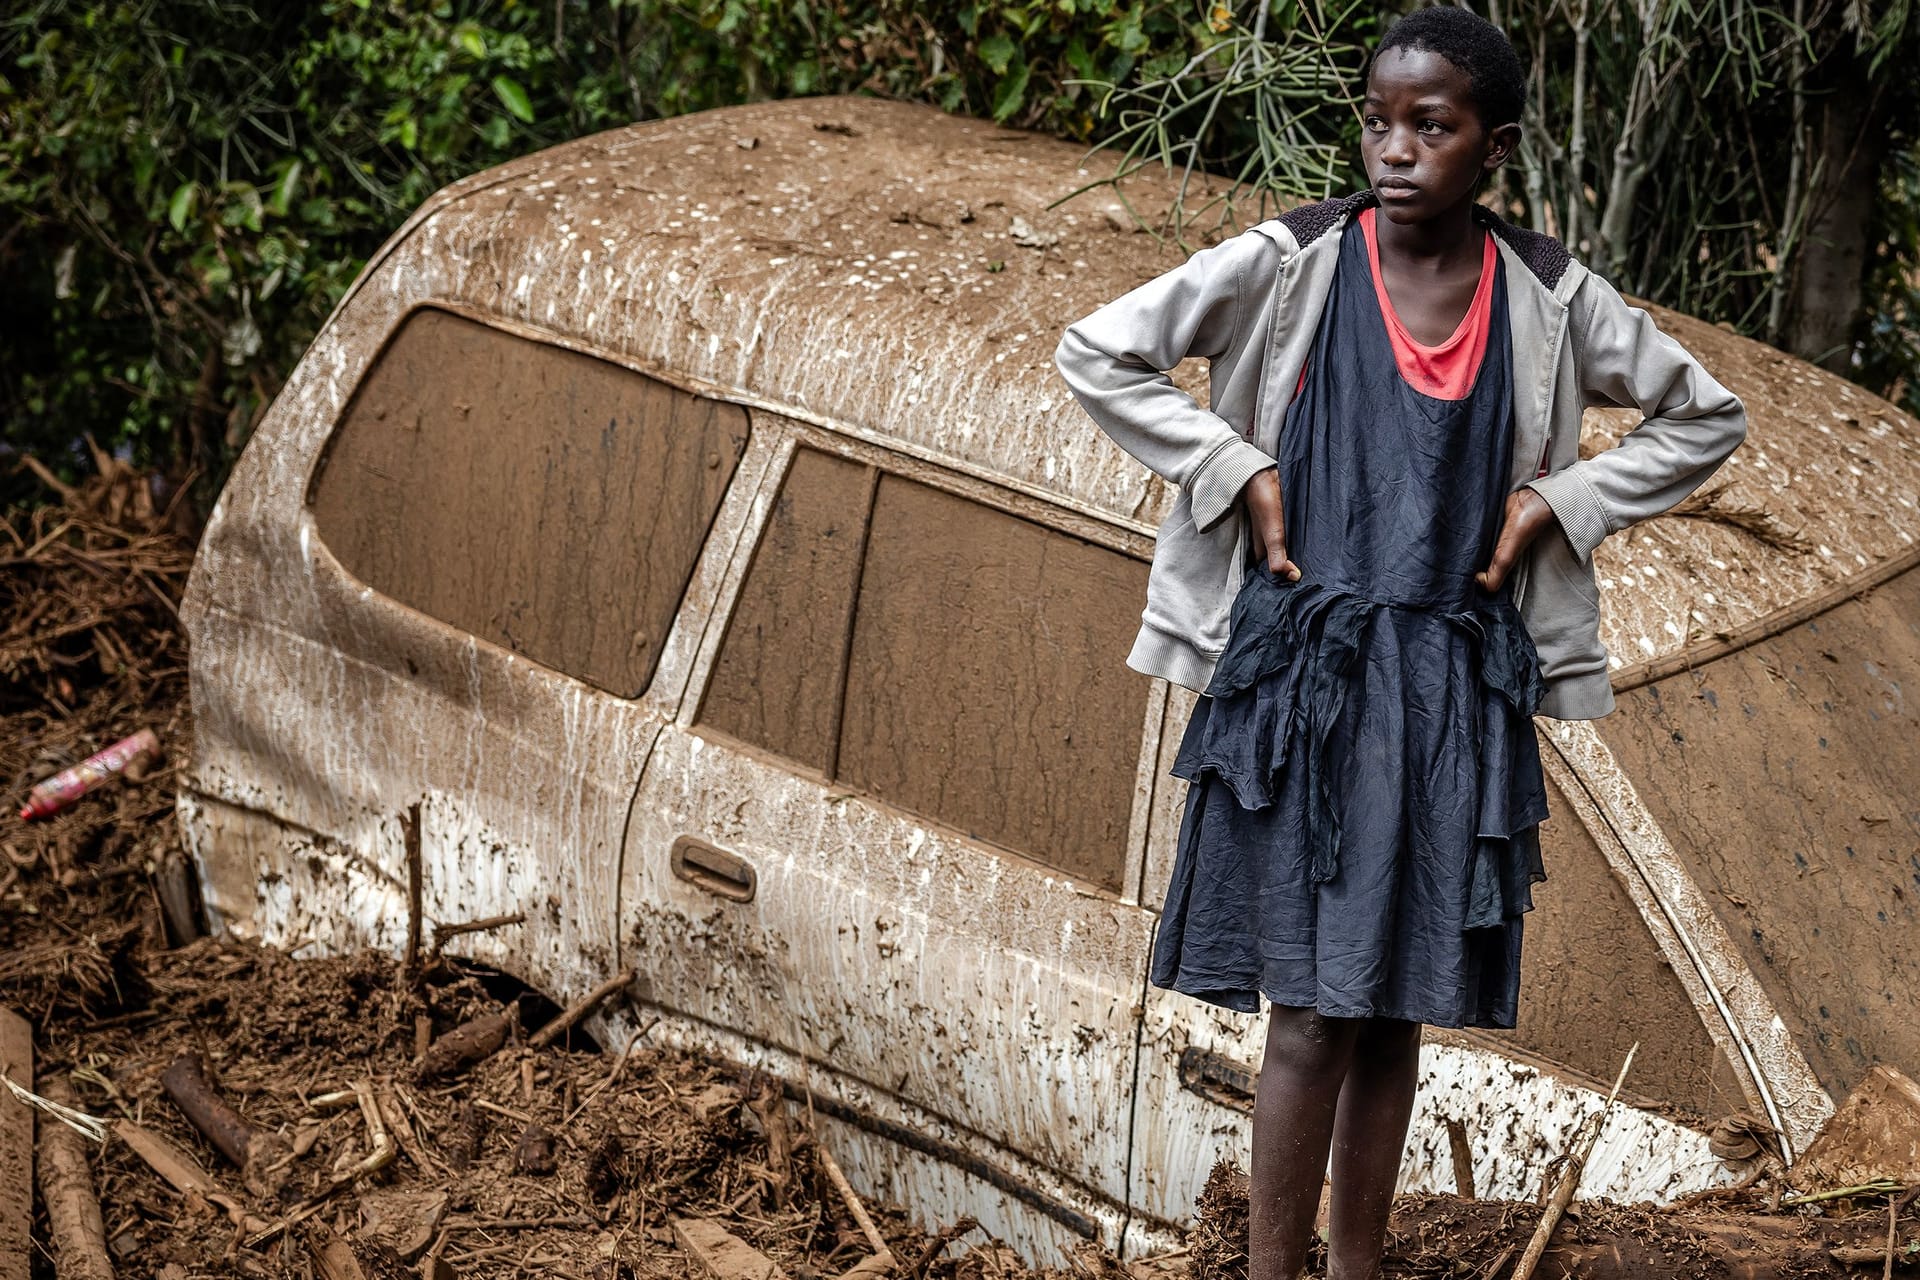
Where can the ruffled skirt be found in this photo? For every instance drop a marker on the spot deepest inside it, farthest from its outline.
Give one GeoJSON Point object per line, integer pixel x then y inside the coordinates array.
{"type": "Point", "coordinates": [1361, 826]}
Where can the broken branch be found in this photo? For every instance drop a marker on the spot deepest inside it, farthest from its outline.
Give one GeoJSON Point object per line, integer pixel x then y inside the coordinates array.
{"type": "Point", "coordinates": [586, 1005]}
{"type": "Point", "coordinates": [1585, 1138]}
{"type": "Point", "coordinates": [380, 1140]}
{"type": "Point", "coordinates": [465, 1045]}
{"type": "Point", "coordinates": [612, 1076]}
{"type": "Point", "coordinates": [947, 1235]}
{"type": "Point", "coordinates": [184, 1174]}
{"type": "Point", "coordinates": [410, 832]}
{"type": "Point", "coordinates": [857, 1209]}
{"type": "Point", "coordinates": [441, 932]}
{"type": "Point", "coordinates": [381, 1155]}
{"type": "Point", "coordinates": [248, 1149]}
{"type": "Point", "coordinates": [1462, 1157]}
{"type": "Point", "coordinates": [1877, 1187]}
{"type": "Point", "coordinates": [66, 1186]}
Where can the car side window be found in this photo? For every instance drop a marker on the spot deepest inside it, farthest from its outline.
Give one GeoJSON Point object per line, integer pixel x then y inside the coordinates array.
{"type": "Point", "coordinates": [546, 501]}
{"type": "Point", "coordinates": [953, 659]}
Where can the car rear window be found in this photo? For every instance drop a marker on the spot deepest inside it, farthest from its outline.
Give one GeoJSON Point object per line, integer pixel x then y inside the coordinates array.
{"type": "Point", "coordinates": [952, 659]}
{"type": "Point", "coordinates": [1783, 774]}
{"type": "Point", "coordinates": [545, 501]}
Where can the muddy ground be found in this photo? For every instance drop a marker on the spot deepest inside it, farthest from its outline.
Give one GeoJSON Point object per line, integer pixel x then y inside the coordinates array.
{"type": "Point", "coordinates": [572, 1160]}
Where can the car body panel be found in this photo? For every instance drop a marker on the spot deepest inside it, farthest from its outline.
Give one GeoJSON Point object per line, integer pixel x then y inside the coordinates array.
{"type": "Point", "coordinates": [885, 281]}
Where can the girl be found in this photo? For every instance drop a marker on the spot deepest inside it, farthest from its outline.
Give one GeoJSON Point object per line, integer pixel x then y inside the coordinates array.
{"type": "Point", "coordinates": [1378, 568]}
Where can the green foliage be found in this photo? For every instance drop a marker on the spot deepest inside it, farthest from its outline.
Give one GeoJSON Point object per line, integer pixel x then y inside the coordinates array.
{"type": "Point", "coordinates": [188, 186]}
{"type": "Point", "coordinates": [1272, 108]}
{"type": "Point", "coordinates": [1891, 348]}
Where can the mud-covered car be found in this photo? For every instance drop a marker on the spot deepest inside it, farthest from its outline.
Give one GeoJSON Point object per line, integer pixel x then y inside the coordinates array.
{"type": "Point", "coordinates": [682, 538]}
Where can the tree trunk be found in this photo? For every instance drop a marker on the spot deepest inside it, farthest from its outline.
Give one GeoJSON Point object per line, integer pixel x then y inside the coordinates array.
{"type": "Point", "coordinates": [1828, 289]}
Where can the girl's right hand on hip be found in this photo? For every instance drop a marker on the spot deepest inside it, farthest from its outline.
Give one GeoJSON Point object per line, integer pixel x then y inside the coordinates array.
{"type": "Point", "coordinates": [1267, 523]}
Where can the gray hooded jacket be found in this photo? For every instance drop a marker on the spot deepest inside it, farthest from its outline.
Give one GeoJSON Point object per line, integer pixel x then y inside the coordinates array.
{"type": "Point", "coordinates": [1250, 306]}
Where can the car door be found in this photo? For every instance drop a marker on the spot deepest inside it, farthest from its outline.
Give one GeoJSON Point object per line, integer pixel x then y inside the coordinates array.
{"type": "Point", "coordinates": [507, 549]}
{"type": "Point", "coordinates": [889, 844]}
{"type": "Point", "coordinates": [1198, 1062]}
{"type": "Point", "coordinates": [1508, 1095]}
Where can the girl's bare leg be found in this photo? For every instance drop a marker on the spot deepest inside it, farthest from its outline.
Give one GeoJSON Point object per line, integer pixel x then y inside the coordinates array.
{"type": "Point", "coordinates": [1370, 1131]}
{"type": "Point", "coordinates": [1293, 1117]}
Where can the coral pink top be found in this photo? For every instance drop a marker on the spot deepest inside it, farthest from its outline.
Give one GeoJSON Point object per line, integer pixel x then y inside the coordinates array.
{"type": "Point", "coordinates": [1446, 371]}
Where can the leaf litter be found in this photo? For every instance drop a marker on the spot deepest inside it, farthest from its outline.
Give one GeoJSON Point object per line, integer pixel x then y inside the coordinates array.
{"type": "Point", "coordinates": [502, 1157]}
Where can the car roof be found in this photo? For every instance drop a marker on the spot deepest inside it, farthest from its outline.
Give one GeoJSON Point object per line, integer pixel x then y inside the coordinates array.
{"type": "Point", "coordinates": [902, 274]}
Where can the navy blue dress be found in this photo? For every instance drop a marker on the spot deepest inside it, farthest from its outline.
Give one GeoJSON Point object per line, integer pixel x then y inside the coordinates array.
{"type": "Point", "coordinates": [1364, 785]}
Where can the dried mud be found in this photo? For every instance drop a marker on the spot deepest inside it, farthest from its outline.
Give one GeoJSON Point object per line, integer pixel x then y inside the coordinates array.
{"type": "Point", "coordinates": [570, 1160]}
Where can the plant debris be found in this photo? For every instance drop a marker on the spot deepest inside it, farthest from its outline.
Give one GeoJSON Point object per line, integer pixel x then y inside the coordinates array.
{"type": "Point", "coordinates": [360, 1117]}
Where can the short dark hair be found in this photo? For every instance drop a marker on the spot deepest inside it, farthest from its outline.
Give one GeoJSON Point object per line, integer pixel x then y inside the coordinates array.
{"type": "Point", "coordinates": [1474, 45]}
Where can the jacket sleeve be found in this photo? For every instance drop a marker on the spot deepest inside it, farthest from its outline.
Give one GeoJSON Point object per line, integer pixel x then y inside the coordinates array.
{"type": "Point", "coordinates": [1691, 425]}
{"type": "Point", "coordinates": [1115, 360]}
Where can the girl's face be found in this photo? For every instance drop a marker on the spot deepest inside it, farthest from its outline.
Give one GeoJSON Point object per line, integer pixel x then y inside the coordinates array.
{"type": "Point", "coordinates": [1422, 138]}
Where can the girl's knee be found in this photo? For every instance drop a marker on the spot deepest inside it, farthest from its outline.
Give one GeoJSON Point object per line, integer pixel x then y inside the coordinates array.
{"type": "Point", "coordinates": [1307, 1040]}
{"type": "Point", "coordinates": [1384, 1040]}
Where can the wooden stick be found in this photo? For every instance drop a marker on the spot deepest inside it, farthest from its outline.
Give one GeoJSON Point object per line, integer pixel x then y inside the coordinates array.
{"type": "Point", "coordinates": [562, 1024]}
{"type": "Point", "coordinates": [257, 1153]}
{"type": "Point", "coordinates": [66, 1186]}
{"type": "Point", "coordinates": [1500, 1261]}
{"type": "Point", "coordinates": [185, 1081]}
{"type": "Point", "coordinates": [917, 1270]}
{"type": "Point", "coordinates": [1893, 1228]}
{"type": "Point", "coordinates": [614, 1075]}
{"type": "Point", "coordinates": [845, 1188]}
{"type": "Point", "coordinates": [441, 932]}
{"type": "Point", "coordinates": [183, 1173]}
{"type": "Point", "coordinates": [410, 833]}
{"type": "Point", "coordinates": [68, 494]}
{"type": "Point", "coordinates": [499, 1110]}
{"type": "Point", "coordinates": [1462, 1158]}
{"type": "Point", "coordinates": [1877, 1187]}
{"type": "Point", "coordinates": [16, 1148]}
{"type": "Point", "coordinates": [465, 1045]}
{"type": "Point", "coordinates": [1585, 1138]}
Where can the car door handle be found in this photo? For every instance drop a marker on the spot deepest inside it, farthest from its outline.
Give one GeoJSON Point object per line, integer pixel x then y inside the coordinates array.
{"type": "Point", "coordinates": [708, 867]}
{"type": "Point", "coordinates": [1217, 1078]}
